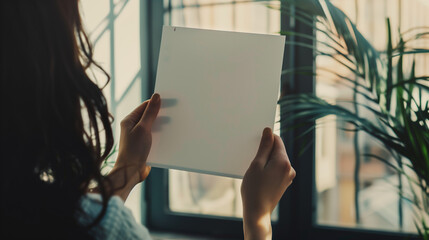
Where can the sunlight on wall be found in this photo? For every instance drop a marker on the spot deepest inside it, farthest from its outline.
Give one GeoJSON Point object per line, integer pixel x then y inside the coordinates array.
{"type": "Point", "coordinates": [114, 28]}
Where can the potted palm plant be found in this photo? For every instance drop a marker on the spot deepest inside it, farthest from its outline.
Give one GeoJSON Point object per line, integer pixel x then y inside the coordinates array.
{"type": "Point", "coordinates": [383, 86]}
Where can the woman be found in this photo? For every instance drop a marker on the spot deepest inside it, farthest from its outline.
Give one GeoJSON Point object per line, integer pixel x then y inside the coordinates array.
{"type": "Point", "coordinates": [56, 132]}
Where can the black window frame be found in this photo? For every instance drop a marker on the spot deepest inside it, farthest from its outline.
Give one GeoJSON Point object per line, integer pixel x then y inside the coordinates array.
{"type": "Point", "coordinates": [297, 208]}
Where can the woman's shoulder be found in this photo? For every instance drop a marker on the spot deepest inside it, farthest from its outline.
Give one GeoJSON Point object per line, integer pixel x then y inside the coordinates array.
{"type": "Point", "coordinates": [117, 223]}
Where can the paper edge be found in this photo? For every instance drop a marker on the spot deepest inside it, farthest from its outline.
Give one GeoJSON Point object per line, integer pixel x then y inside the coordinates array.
{"type": "Point", "coordinates": [165, 27]}
{"type": "Point", "coordinates": [166, 166]}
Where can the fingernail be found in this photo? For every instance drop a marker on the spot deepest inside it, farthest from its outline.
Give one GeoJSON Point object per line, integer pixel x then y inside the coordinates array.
{"type": "Point", "coordinates": [267, 130]}
{"type": "Point", "coordinates": [155, 97]}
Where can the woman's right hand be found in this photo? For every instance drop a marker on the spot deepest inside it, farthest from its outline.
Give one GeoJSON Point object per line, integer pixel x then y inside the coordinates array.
{"type": "Point", "coordinates": [264, 183]}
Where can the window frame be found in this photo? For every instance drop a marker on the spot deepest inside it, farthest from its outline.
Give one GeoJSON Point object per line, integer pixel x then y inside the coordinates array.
{"type": "Point", "coordinates": [297, 208]}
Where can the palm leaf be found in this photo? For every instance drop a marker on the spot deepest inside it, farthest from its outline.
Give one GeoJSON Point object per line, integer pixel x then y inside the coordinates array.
{"type": "Point", "coordinates": [402, 119]}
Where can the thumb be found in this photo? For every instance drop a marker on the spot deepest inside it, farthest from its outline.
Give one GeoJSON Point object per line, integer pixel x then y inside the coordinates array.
{"type": "Point", "coordinates": [265, 147]}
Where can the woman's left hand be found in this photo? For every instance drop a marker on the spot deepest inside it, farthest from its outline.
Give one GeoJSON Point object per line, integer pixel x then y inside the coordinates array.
{"type": "Point", "coordinates": [134, 146]}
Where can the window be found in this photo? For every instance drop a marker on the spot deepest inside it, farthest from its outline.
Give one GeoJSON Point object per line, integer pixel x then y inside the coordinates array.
{"type": "Point", "coordinates": [374, 203]}
{"type": "Point", "coordinates": [200, 193]}
{"type": "Point", "coordinates": [195, 196]}
{"type": "Point", "coordinates": [321, 202]}
{"type": "Point", "coordinates": [114, 29]}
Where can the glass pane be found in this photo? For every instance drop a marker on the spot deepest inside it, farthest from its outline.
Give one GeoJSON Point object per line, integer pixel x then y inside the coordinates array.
{"type": "Point", "coordinates": [336, 179]}
{"type": "Point", "coordinates": [119, 55]}
{"type": "Point", "coordinates": [199, 193]}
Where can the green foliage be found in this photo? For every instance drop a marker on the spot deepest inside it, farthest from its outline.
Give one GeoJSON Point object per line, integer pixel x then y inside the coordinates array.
{"type": "Point", "coordinates": [392, 92]}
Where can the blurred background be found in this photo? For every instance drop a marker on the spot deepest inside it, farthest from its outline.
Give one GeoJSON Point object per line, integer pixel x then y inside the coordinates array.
{"type": "Point", "coordinates": [115, 29]}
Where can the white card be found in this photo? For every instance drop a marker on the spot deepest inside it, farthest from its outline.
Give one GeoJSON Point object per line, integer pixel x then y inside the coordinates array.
{"type": "Point", "coordinates": [218, 91]}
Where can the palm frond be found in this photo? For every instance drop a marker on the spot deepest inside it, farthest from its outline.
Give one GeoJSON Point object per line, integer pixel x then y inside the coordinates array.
{"type": "Point", "coordinates": [392, 93]}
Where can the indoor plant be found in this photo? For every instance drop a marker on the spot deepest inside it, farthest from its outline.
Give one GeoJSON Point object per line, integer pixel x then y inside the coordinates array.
{"type": "Point", "coordinates": [383, 85]}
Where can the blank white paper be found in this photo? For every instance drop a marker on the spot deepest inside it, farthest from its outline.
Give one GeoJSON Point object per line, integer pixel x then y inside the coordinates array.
{"type": "Point", "coordinates": [218, 90]}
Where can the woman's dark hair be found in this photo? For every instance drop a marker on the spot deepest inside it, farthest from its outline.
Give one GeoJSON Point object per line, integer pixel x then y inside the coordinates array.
{"type": "Point", "coordinates": [55, 124]}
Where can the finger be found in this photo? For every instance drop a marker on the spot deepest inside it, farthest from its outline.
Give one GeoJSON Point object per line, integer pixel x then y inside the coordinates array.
{"type": "Point", "coordinates": [133, 118]}
{"type": "Point", "coordinates": [265, 147]}
{"type": "Point", "coordinates": [145, 173]}
{"type": "Point", "coordinates": [151, 111]}
{"type": "Point", "coordinates": [278, 157]}
{"type": "Point", "coordinates": [279, 147]}
{"type": "Point", "coordinates": [292, 173]}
